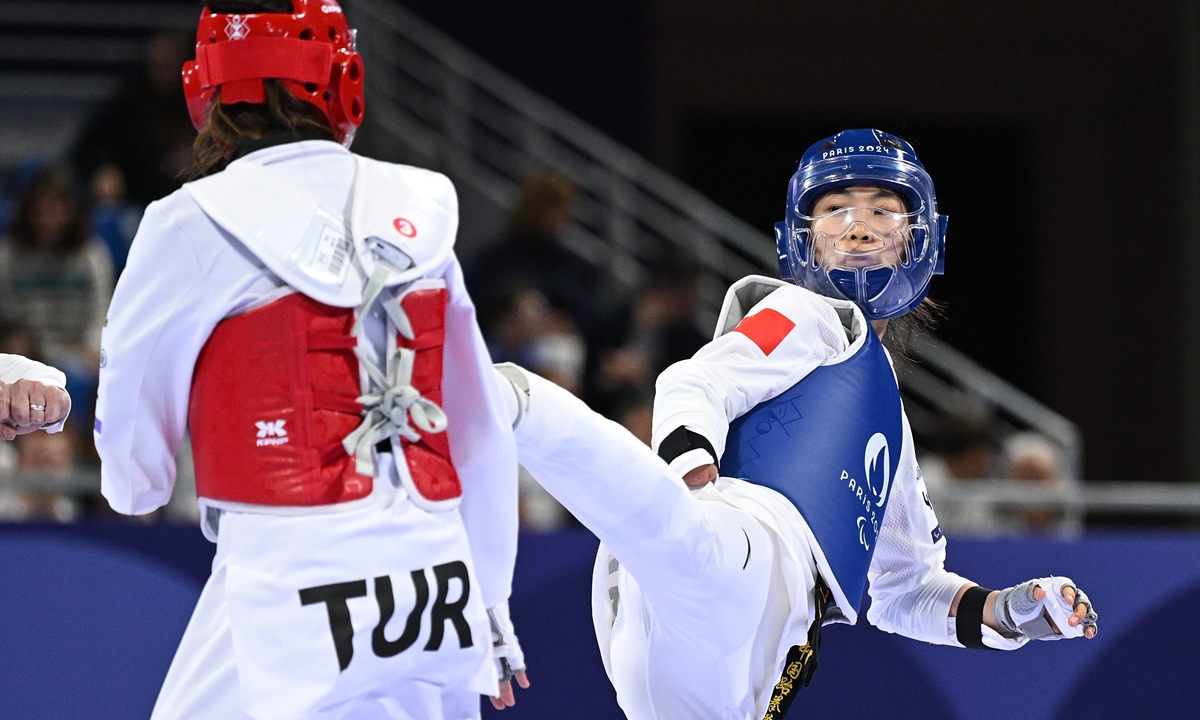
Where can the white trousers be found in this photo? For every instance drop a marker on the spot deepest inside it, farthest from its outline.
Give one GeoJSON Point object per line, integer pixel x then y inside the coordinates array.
{"type": "Point", "coordinates": [701, 608]}
{"type": "Point", "coordinates": [255, 650]}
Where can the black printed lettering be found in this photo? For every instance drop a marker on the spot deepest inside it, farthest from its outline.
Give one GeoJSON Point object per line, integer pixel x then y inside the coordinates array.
{"type": "Point", "coordinates": [383, 647]}
{"type": "Point", "coordinates": [335, 596]}
{"type": "Point", "coordinates": [443, 611]}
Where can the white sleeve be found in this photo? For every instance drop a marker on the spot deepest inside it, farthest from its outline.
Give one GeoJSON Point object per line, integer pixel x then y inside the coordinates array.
{"type": "Point", "coordinates": [911, 591]}
{"type": "Point", "coordinates": [735, 372]}
{"type": "Point", "coordinates": [16, 367]}
{"type": "Point", "coordinates": [481, 445]}
{"type": "Point", "coordinates": [180, 281]}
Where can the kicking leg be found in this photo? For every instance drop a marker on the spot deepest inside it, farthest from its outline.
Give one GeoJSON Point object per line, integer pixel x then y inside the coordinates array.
{"type": "Point", "coordinates": [683, 552]}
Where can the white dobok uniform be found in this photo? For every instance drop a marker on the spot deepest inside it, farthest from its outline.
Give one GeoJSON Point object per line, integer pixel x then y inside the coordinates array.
{"type": "Point", "coordinates": [401, 635]}
{"type": "Point", "coordinates": [698, 595]}
{"type": "Point", "coordinates": [16, 367]}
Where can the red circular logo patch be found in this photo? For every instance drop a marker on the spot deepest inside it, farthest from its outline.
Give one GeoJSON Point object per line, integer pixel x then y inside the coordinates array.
{"type": "Point", "coordinates": [404, 227]}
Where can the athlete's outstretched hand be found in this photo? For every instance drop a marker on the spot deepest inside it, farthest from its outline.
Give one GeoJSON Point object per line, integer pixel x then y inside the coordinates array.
{"type": "Point", "coordinates": [1083, 614]}
{"type": "Point", "coordinates": [1049, 608]}
{"type": "Point", "coordinates": [28, 405]}
{"type": "Point", "coordinates": [507, 697]}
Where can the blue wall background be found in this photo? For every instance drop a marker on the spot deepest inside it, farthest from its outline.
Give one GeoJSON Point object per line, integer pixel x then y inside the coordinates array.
{"type": "Point", "coordinates": [90, 615]}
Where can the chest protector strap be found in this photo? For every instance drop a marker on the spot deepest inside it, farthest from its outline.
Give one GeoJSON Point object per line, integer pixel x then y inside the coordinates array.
{"type": "Point", "coordinates": [831, 445]}
{"type": "Point", "coordinates": [405, 403]}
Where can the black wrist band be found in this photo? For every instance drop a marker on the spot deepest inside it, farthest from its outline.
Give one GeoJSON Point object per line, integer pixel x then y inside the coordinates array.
{"type": "Point", "coordinates": [969, 621]}
{"type": "Point", "coordinates": [680, 441]}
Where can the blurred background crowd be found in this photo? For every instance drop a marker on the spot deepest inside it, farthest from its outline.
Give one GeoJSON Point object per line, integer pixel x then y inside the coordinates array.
{"type": "Point", "coordinates": [69, 215]}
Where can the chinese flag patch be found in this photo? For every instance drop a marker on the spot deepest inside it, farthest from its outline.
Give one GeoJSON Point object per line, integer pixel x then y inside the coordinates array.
{"type": "Point", "coordinates": [766, 329]}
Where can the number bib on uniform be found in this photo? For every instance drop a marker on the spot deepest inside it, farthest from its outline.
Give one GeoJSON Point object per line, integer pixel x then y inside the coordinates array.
{"type": "Point", "coordinates": [326, 608]}
{"type": "Point", "coordinates": [831, 445]}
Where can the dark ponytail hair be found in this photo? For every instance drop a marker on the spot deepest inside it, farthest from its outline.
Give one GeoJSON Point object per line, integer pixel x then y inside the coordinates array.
{"type": "Point", "coordinates": [924, 318]}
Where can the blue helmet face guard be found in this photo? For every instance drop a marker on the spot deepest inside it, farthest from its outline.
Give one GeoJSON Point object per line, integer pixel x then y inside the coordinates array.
{"type": "Point", "coordinates": [881, 257]}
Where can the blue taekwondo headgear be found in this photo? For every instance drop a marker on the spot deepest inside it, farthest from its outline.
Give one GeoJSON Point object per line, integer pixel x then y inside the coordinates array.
{"type": "Point", "coordinates": [887, 266]}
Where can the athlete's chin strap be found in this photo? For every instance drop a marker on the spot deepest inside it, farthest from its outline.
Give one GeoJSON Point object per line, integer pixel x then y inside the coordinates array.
{"type": "Point", "coordinates": [393, 401]}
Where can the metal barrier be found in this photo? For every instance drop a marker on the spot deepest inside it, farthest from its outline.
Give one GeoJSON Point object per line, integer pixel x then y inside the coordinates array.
{"type": "Point", "coordinates": [1072, 498]}
{"type": "Point", "coordinates": [82, 480]}
{"type": "Point", "coordinates": [1015, 507]}
{"type": "Point", "coordinates": [1133, 498]}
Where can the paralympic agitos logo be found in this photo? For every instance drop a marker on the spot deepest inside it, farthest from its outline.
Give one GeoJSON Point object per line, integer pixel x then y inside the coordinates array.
{"type": "Point", "coordinates": [872, 491]}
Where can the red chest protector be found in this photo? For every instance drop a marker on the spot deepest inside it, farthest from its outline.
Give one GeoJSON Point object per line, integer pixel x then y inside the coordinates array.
{"type": "Point", "coordinates": [275, 392]}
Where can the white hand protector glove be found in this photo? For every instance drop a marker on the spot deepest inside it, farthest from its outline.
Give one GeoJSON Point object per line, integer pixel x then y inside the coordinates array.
{"type": "Point", "coordinates": [505, 648]}
{"type": "Point", "coordinates": [1020, 614]}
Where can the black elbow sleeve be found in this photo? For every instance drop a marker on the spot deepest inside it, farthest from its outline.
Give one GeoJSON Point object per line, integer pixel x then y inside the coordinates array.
{"type": "Point", "coordinates": [969, 621]}
{"type": "Point", "coordinates": [682, 440]}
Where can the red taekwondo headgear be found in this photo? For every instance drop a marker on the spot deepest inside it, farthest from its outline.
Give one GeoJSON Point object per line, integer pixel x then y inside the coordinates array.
{"type": "Point", "coordinates": [311, 51]}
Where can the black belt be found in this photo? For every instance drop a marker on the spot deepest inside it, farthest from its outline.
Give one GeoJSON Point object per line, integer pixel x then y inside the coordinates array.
{"type": "Point", "coordinates": [801, 660]}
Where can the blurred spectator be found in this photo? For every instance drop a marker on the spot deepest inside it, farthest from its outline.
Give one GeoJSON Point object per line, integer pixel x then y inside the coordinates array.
{"type": "Point", "coordinates": [1031, 458]}
{"type": "Point", "coordinates": [634, 411]}
{"type": "Point", "coordinates": [16, 181]}
{"type": "Point", "coordinates": [6, 203]}
{"type": "Point", "coordinates": [524, 329]}
{"type": "Point", "coordinates": [56, 279]}
{"type": "Point", "coordinates": [52, 456]}
{"type": "Point", "coordinates": [656, 330]}
{"type": "Point", "coordinates": [39, 454]}
{"type": "Point", "coordinates": [16, 339]}
{"type": "Point", "coordinates": [538, 510]}
{"type": "Point", "coordinates": [963, 448]}
{"type": "Point", "coordinates": [114, 218]}
{"type": "Point", "coordinates": [145, 133]}
{"type": "Point", "coordinates": [531, 255]}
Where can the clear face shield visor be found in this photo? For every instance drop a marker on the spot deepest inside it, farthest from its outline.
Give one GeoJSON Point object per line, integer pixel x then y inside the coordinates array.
{"type": "Point", "coordinates": [866, 254]}
{"type": "Point", "coordinates": [859, 238]}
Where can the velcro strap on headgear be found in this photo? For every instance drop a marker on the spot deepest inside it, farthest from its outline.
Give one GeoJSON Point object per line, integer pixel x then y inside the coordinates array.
{"type": "Point", "coordinates": [244, 64]}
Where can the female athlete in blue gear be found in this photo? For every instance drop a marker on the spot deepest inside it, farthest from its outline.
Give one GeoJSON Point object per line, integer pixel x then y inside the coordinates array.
{"type": "Point", "coordinates": [709, 591]}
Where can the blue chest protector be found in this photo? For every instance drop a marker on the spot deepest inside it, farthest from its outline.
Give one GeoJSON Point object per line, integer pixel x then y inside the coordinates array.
{"type": "Point", "coordinates": [830, 444]}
